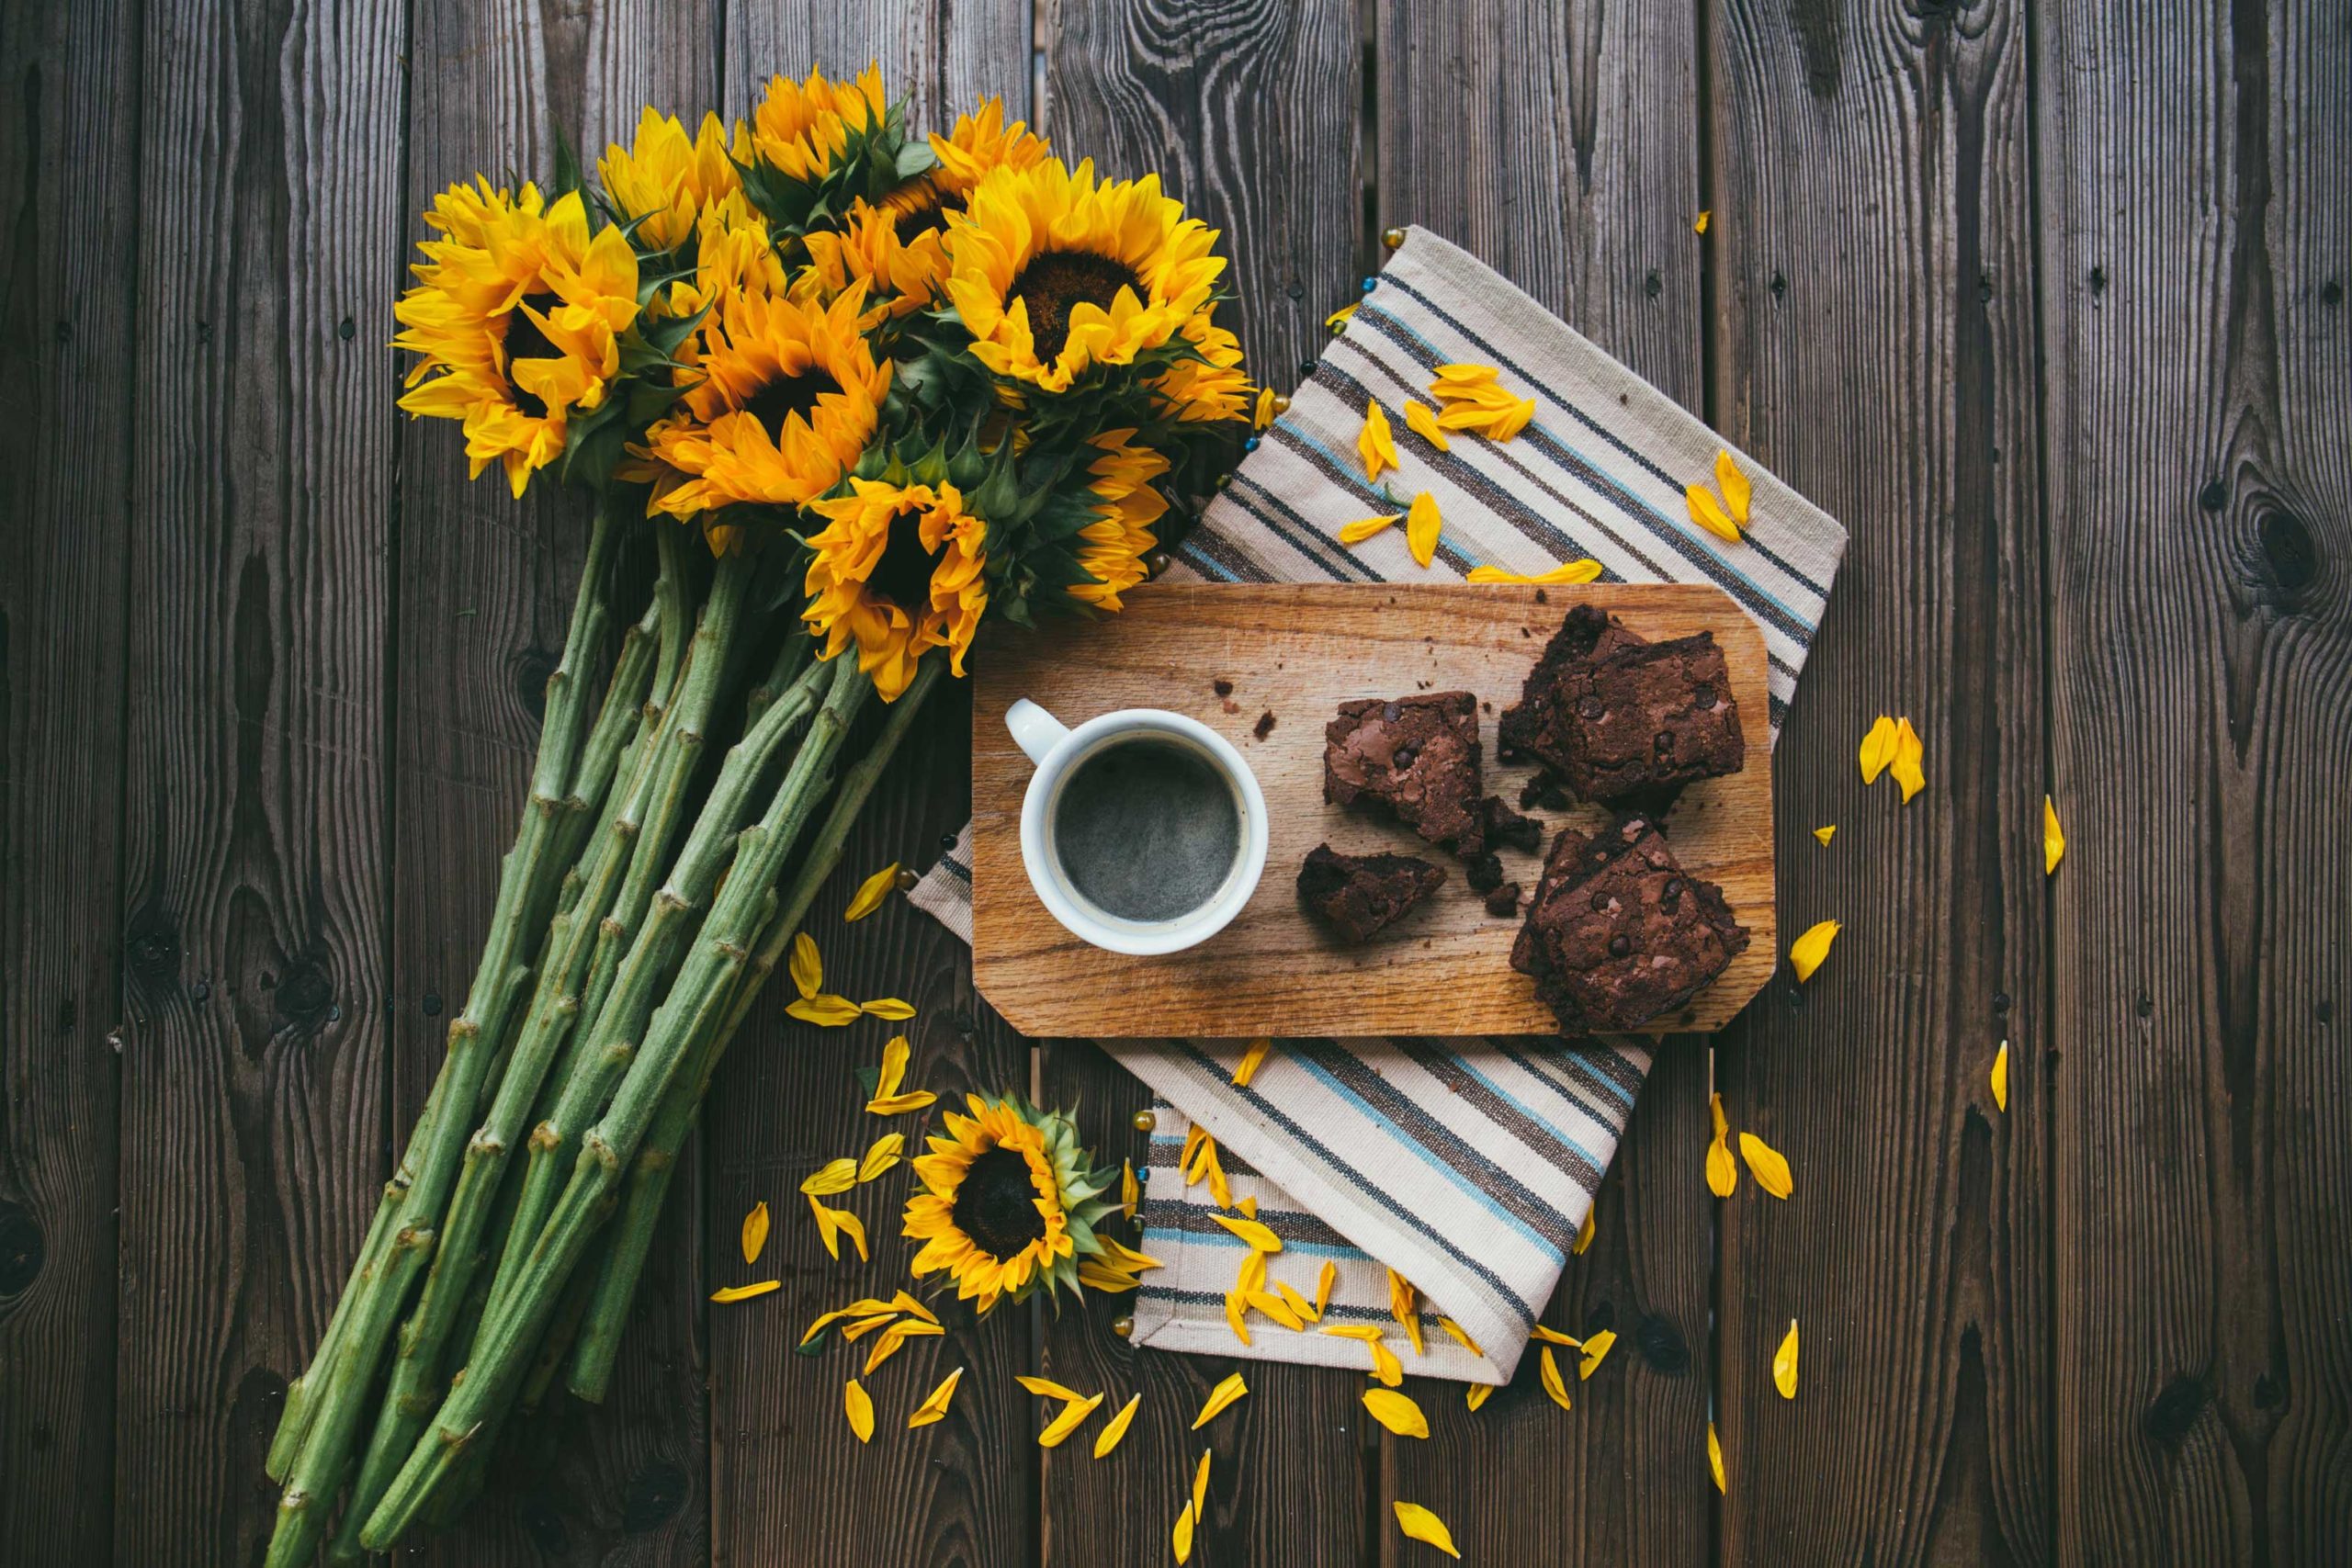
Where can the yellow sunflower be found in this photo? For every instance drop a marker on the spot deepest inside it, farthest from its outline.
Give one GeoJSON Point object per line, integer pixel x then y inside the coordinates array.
{"type": "Point", "coordinates": [667, 179]}
{"type": "Point", "coordinates": [1053, 272]}
{"type": "Point", "coordinates": [901, 267]}
{"type": "Point", "coordinates": [980, 144]}
{"type": "Point", "coordinates": [1211, 387]}
{"type": "Point", "coordinates": [1008, 1204]}
{"type": "Point", "coordinates": [786, 395]}
{"type": "Point", "coordinates": [1128, 508]}
{"type": "Point", "coordinates": [802, 129]}
{"type": "Point", "coordinates": [516, 318]}
{"type": "Point", "coordinates": [897, 572]}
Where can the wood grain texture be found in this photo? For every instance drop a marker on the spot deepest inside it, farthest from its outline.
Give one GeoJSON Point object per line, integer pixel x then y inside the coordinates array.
{"type": "Point", "coordinates": [255, 927]}
{"type": "Point", "coordinates": [1875, 312]}
{"type": "Point", "coordinates": [65, 356]}
{"type": "Point", "coordinates": [1251, 110]}
{"type": "Point", "coordinates": [1583, 196]}
{"type": "Point", "coordinates": [790, 1483]}
{"type": "Point", "coordinates": [1296, 651]}
{"type": "Point", "coordinates": [485, 590]}
{"type": "Point", "coordinates": [2195, 201]}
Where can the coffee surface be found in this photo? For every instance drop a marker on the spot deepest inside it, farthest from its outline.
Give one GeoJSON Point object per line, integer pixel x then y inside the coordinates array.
{"type": "Point", "coordinates": [1147, 830]}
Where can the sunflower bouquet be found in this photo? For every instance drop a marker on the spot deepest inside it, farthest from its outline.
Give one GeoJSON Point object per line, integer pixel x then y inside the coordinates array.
{"type": "Point", "coordinates": [839, 394]}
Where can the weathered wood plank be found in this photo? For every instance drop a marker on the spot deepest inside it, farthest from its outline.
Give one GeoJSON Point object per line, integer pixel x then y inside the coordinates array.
{"type": "Point", "coordinates": [65, 355]}
{"type": "Point", "coordinates": [251, 1075]}
{"type": "Point", "coordinates": [790, 1483]}
{"type": "Point", "coordinates": [1248, 111]}
{"type": "Point", "coordinates": [1582, 194]}
{"type": "Point", "coordinates": [2196, 183]}
{"type": "Point", "coordinates": [486, 588]}
{"type": "Point", "coordinates": [1875, 312]}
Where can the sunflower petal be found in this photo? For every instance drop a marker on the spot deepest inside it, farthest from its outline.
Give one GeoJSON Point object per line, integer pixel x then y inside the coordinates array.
{"type": "Point", "coordinates": [1570, 571]}
{"type": "Point", "coordinates": [1708, 512]}
{"type": "Point", "coordinates": [825, 1011]}
{"type": "Point", "coordinates": [1108, 1438]}
{"type": "Point", "coordinates": [885, 1346]}
{"type": "Point", "coordinates": [1201, 1484]}
{"type": "Point", "coordinates": [1396, 1411]}
{"type": "Point", "coordinates": [1422, 525]}
{"type": "Point", "coordinates": [1806, 953]}
{"type": "Point", "coordinates": [807, 970]}
{"type": "Point", "coordinates": [1477, 1393]}
{"type": "Point", "coordinates": [1220, 1397]}
{"type": "Point", "coordinates": [1823, 835]}
{"type": "Point", "coordinates": [1180, 1541]}
{"type": "Point", "coordinates": [1130, 1191]}
{"type": "Point", "coordinates": [1251, 1060]}
{"type": "Point", "coordinates": [745, 1292]}
{"type": "Point", "coordinates": [1723, 1175]}
{"type": "Point", "coordinates": [1737, 492]}
{"type": "Point", "coordinates": [1046, 1388]}
{"type": "Point", "coordinates": [1324, 1282]}
{"type": "Point", "coordinates": [934, 1405]}
{"type": "Point", "coordinates": [1364, 528]}
{"type": "Point", "coordinates": [1878, 749]}
{"type": "Point", "coordinates": [881, 1157]}
{"type": "Point", "coordinates": [755, 1231]}
{"type": "Point", "coordinates": [894, 1066]}
{"type": "Point", "coordinates": [1596, 1348]}
{"type": "Point", "coordinates": [907, 1304]}
{"type": "Point", "coordinates": [1298, 1304]}
{"type": "Point", "coordinates": [2001, 1075]}
{"type": "Point", "coordinates": [1584, 1232]}
{"type": "Point", "coordinates": [1553, 1385]}
{"type": "Point", "coordinates": [1419, 1524]}
{"type": "Point", "coordinates": [1699, 224]}
{"type": "Point", "coordinates": [1376, 445]}
{"type": "Point", "coordinates": [1784, 1363]}
{"type": "Point", "coordinates": [1236, 1314]}
{"type": "Point", "coordinates": [1460, 1335]}
{"type": "Point", "coordinates": [1551, 1336]}
{"type": "Point", "coordinates": [889, 1008]}
{"type": "Point", "coordinates": [1385, 1367]}
{"type": "Point", "coordinates": [834, 1176]}
{"type": "Point", "coordinates": [1274, 1306]}
{"type": "Point", "coordinates": [2054, 839]}
{"type": "Point", "coordinates": [1073, 1416]}
{"type": "Point", "coordinates": [1908, 752]}
{"type": "Point", "coordinates": [859, 1408]}
{"type": "Point", "coordinates": [870, 894]}
{"type": "Point", "coordinates": [1715, 1459]}
{"type": "Point", "coordinates": [1405, 1306]}
{"type": "Point", "coordinates": [1768, 1164]}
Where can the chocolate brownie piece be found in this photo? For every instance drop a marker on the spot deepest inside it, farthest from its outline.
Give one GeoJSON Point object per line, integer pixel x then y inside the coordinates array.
{"type": "Point", "coordinates": [1417, 755]}
{"type": "Point", "coordinates": [1484, 873]}
{"type": "Point", "coordinates": [1618, 932]}
{"type": "Point", "coordinates": [1503, 902]}
{"type": "Point", "coordinates": [1359, 894]}
{"type": "Point", "coordinates": [1616, 717]}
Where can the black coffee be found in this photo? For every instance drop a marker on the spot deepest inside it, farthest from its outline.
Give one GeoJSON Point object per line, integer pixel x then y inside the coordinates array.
{"type": "Point", "coordinates": [1147, 830]}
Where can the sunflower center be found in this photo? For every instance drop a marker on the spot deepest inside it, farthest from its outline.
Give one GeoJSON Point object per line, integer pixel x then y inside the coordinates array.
{"type": "Point", "coordinates": [526, 341]}
{"type": "Point", "coordinates": [997, 1204]}
{"type": "Point", "coordinates": [786, 396]}
{"type": "Point", "coordinates": [1055, 282]}
{"type": "Point", "coordinates": [903, 574]}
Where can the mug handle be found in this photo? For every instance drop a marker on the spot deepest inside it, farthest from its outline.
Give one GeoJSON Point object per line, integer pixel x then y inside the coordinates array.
{"type": "Point", "coordinates": [1035, 730]}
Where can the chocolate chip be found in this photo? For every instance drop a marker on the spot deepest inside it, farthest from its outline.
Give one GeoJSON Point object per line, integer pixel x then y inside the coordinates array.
{"type": "Point", "coordinates": [1589, 706]}
{"type": "Point", "coordinates": [1391, 712]}
{"type": "Point", "coordinates": [1402, 757]}
{"type": "Point", "coordinates": [1663, 741]}
{"type": "Point", "coordinates": [1673, 888]}
{"type": "Point", "coordinates": [1600, 903]}
{"type": "Point", "coordinates": [1702, 695]}
{"type": "Point", "coordinates": [1618, 946]}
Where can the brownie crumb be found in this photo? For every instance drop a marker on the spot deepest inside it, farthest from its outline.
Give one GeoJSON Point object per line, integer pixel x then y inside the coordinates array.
{"type": "Point", "coordinates": [1503, 902]}
{"type": "Point", "coordinates": [1223, 687]}
{"type": "Point", "coordinates": [1358, 895]}
{"type": "Point", "coordinates": [1483, 872]}
{"type": "Point", "coordinates": [1542, 597]}
{"type": "Point", "coordinates": [1265, 725]}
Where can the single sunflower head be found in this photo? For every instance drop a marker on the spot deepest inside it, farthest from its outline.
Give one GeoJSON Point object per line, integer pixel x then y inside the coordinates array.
{"type": "Point", "coordinates": [784, 398]}
{"type": "Point", "coordinates": [1008, 1204]}
{"type": "Point", "coordinates": [516, 318]}
{"type": "Point", "coordinates": [666, 181]}
{"type": "Point", "coordinates": [1126, 506]}
{"type": "Point", "coordinates": [897, 570]}
{"type": "Point", "coordinates": [1053, 273]}
{"type": "Point", "coordinates": [901, 265]}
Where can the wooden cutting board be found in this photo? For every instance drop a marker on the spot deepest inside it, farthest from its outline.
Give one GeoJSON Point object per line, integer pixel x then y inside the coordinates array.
{"type": "Point", "coordinates": [1291, 653]}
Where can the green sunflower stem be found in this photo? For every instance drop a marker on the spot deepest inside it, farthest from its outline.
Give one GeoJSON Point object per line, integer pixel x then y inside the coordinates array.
{"type": "Point", "coordinates": [517, 1320]}
{"type": "Point", "coordinates": [323, 1406]}
{"type": "Point", "coordinates": [656, 1162]}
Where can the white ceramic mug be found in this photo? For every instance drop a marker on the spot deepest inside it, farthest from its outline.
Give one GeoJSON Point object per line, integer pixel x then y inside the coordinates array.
{"type": "Point", "coordinates": [1056, 749]}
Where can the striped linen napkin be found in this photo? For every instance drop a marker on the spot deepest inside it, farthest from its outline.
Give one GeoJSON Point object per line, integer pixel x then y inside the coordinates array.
{"type": "Point", "coordinates": [1467, 1166]}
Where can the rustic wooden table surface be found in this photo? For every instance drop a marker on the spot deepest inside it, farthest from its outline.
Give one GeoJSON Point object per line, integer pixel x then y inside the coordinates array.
{"type": "Point", "coordinates": [2047, 304]}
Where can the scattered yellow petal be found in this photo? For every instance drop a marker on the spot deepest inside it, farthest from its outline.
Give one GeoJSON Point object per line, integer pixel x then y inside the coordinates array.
{"type": "Point", "coordinates": [1708, 512]}
{"type": "Point", "coordinates": [1699, 224]}
{"type": "Point", "coordinates": [1181, 1541]}
{"type": "Point", "coordinates": [1328, 1276]}
{"type": "Point", "coordinates": [1274, 1306]}
{"type": "Point", "coordinates": [1396, 1411]}
{"type": "Point", "coordinates": [865, 1325]}
{"type": "Point", "coordinates": [2054, 841]}
{"type": "Point", "coordinates": [1248, 1207]}
{"type": "Point", "coordinates": [833, 1224]}
{"type": "Point", "coordinates": [1878, 749]}
{"type": "Point", "coordinates": [1463, 375]}
{"type": "Point", "coordinates": [855, 1309]}
{"type": "Point", "coordinates": [1250, 1061]}
{"type": "Point", "coordinates": [1908, 751]}
{"type": "Point", "coordinates": [1263, 413]}
{"type": "Point", "coordinates": [881, 1157]}
{"type": "Point", "coordinates": [1737, 492]}
{"type": "Point", "coordinates": [1722, 1174]}
{"type": "Point", "coordinates": [1419, 1524]}
{"type": "Point", "coordinates": [1376, 445]}
{"type": "Point", "coordinates": [1595, 1346]}
{"type": "Point", "coordinates": [1108, 1438]}
{"type": "Point", "coordinates": [1584, 1232]}
{"type": "Point", "coordinates": [1806, 953]}
{"type": "Point", "coordinates": [1785, 1364]}
{"type": "Point", "coordinates": [1477, 1393]}
{"type": "Point", "coordinates": [1221, 1396]}
{"type": "Point", "coordinates": [934, 1407]}
{"type": "Point", "coordinates": [899, 1104]}
{"type": "Point", "coordinates": [887, 1100]}
{"type": "Point", "coordinates": [745, 1292]}
{"type": "Point", "coordinates": [1585, 570]}
{"type": "Point", "coordinates": [1715, 1459]}
{"type": "Point", "coordinates": [907, 1304]}
{"type": "Point", "coordinates": [1252, 1276]}
{"type": "Point", "coordinates": [1298, 1304]}
{"type": "Point", "coordinates": [807, 969]}
{"type": "Point", "coordinates": [1823, 835]}
{"type": "Point", "coordinates": [1460, 1335]}
{"type": "Point", "coordinates": [1405, 1306]}
{"type": "Point", "coordinates": [1422, 524]}
{"type": "Point", "coordinates": [1385, 1367]}
{"type": "Point", "coordinates": [870, 894]}
{"type": "Point", "coordinates": [1340, 317]}
{"type": "Point", "coordinates": [1046, 1388]}
{"type": "Point", "coordinates": [1130, 1191]}
{"type": "Point", "coordinates": [1552, 1383]}
{"type": "Point", "coordinates": [1200, 1485]}
{"type": "Point", "coordinates": [1423, 423]}
{"type": "Point", "coordinates": [755, 1231]}
{"type": "Point", "coordinates": [1236, 1314]}
{"type": "Point", "coordinates": [2001, 1075]}
{"type": "Point", "coordinates": [1768, 1164]}
{"type": "Point", "coordinates": [825, 1011]}
{"type": "Point", "coordinates": [1551, 1336]}
{"type": "Point", "coordinates": [1364, 1331]}
{"type": "Point", "coordinates": [860, 1410]}
{"type": "Point", "coordinates": [890, 1008]}
{"type": "Point", "coordinates": [1073, 1416]}
{"type": "Point", "coordinates": [1364, 528]}
{"type": "Point", "coordinates": [1511, 421]}
{"type": "Point", "coordinates": [834, 1176]}
{"type": "Point", "coordinates": [1260, 1238]}
{"type": "Point", "coordinates": [887, 1345]}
